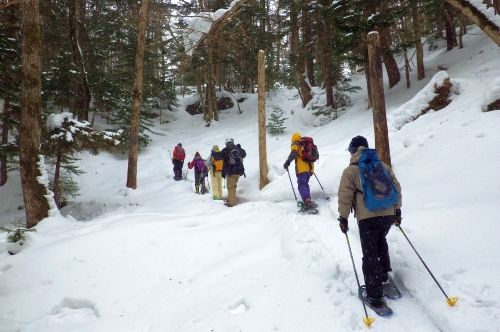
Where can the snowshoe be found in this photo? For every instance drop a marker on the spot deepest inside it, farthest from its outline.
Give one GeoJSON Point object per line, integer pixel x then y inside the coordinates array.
{"type": "Point", "coordinates": [378, 305]}
{"type": "Point", "coordinates": [304, 209]}
{"type": "Point", "coordinates": [390, 289]}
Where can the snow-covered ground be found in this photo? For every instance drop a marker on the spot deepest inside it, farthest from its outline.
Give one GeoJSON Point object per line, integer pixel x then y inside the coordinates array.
{"type": "Point", "coordinates": [161, 258]}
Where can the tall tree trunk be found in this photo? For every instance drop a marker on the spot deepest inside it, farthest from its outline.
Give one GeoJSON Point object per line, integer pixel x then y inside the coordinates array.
{"type": "Point", "coordinates": [391, 66]}
{"type": "Point", "coordinates": [137, 97]}
{"type": "Point", "coordinates": [308, 43]}
{"type": "Point", "coordinates": [278, 43]}
{"type": "Point", "coordinates": [35, 203]}
{"type": "Point", "coordinates": [82, 99]}
{"type": "Point", "coordinates": [297, 59]}
{"type": "Point", "coordinates": [418, 42]}
{"type": "Point", "coordinates": [4, 141]}
{"type": "Point", "coordinates": [57, 176]}
{"type": "Point", "coordinates": [478, 18]}
{"type": "Point", "coordinates": [451, 35]}
{"type": "Point", "coordinates": [404, 24]}
{"type": "Point", "coordinates": [461, 33]}
{"type": "Point", "coordinates": [326, 56]}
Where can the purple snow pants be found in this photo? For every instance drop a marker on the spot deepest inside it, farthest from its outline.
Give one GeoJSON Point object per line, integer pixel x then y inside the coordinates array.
{"type": "Point", "coordinates": [303, 184]}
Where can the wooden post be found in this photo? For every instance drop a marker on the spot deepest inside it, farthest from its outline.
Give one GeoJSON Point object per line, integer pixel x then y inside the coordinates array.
{"type": "Point", "coordinates": [378, 98]}
{"type": "Point", "coordinates": [262, 120]}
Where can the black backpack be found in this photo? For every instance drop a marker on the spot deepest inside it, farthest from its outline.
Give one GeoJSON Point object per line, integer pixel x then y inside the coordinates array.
{"type": "Point", "coordinates": [235, 156]}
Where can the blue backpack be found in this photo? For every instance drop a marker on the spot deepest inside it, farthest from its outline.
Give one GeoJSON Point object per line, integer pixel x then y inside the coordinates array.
{"type": "Point", "coordinates": [379, 191]}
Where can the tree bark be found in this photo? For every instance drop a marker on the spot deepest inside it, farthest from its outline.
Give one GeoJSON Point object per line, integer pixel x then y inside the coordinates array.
{"type": "Point", "coordinates": [378, 98]}
{"type": "Point", "coordinates": [419, 48]}
{"type": "Point", "coordinates": [137, 97]}
{"type": "Point", "coordinates": [297, 59]}
{"type": "Point", "coordinates": [4, 141]}
{"type": "Point", "coordinates": [307, 36]}
{"type": "Point", "coordinates": [325, 47]}
{"type": "Point", "coordinates": [57, 173]}
{"type": "Point", "coordinates": [261, 89]}
{"type": "Point", "coordinates": [391, 66]}
{"type": "Point", "coordinates": [451, 35]}
{"type": "Point", "coordinates": [82, 98]}
{"type": "Point", "coordinates": [478, 18]}
{"type": "Point", "coordinates": [35, 203]}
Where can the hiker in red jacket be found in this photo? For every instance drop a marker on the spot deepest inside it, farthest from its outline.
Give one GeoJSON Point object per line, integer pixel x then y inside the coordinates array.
{"type": "Point", "coordinates": [178, 161]}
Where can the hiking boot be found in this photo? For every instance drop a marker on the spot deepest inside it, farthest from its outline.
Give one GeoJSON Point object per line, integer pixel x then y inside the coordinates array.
{"type": "Point", "coordinates": [377, 304]}
{"type": "Point", "coordinates": [197, 189]}
{"type": "Point", "coordinates": [309, 204]}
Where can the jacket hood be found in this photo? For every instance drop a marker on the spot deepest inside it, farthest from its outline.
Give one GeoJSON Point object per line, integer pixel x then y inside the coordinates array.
{"type": "Point", "coordinates": [296, 137]}
{"type": "Point", "coordinates": [355, 159]}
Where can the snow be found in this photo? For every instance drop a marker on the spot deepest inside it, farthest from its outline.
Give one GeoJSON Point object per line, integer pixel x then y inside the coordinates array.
{"type": "Point", "coordinates": [198, 26]}
{"type": "Point", "coordinates": [488, 12]}
{"type": "Point", "coordinates": [161, 258]}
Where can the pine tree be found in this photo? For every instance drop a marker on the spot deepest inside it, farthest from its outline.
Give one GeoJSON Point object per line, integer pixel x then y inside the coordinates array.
{"type": "Point", "coordinates": [275, 122]}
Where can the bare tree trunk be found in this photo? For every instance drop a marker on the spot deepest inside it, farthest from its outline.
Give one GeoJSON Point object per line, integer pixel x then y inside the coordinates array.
{"type": "Point", "coordinates": [297, 59]}
{"type": "Point", "coordinates": [391, 66]}
{"type": "Point", "coordinates": [137, 97]}
{"type": "Point", "coordinates": [451, 35]}
{"type": "Point", "coordinates": [82, 98]}
{"type": "Point", "coordinates": [263, 168]}
{"type": "Point", "coordinates": [4, 141]}
{"type": "Point", "coordinates": [307, 36]}
{"type": "Point", "coordinates": [378, 100]}
{"type": "Point", "coordinates": [36, 204]}
{"type": "Point", "coordinates": [57, 174]}
{"type": "Point", "coordinates": [278, 43]}
{"type": "Point", "coordinates": [325, 56]}
{"type": "Point", "coordinates": [419, 48]}
{"type": "Point", "coordinates": [404, 25]}
{"type": "Point", "coordinates": [478, 18]}
{"type": "Point", "coordinates": [461, 34]}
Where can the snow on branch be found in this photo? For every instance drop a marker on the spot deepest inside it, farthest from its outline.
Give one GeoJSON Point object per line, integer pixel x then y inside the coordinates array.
{"type": "Point", "coordinates": [202, 24]}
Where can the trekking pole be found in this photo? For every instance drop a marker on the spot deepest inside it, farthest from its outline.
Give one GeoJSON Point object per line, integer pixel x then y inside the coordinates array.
{"type": "Point", "coordinates": [291, 183]}
{"type": "Point", "coordinates": [224, 183]}
{"type": "Point", "coordinates": [186, 175]}
{"type": "Point", "coordinates": [368, 321]}
{"type": "Point", "coordinates": [327, 197]}
{"type": "Point", "coordinates": [451, 300]}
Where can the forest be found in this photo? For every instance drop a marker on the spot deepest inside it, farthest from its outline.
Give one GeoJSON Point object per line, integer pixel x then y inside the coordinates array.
{"type": "Point", "coordinates": [125, 61]}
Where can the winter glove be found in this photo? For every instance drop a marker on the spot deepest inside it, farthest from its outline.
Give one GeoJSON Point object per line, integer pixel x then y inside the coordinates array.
{"type": "Point", "coordinates": [286, 165]}
{"type": "Point", "coordinates": [397, 217]}
{"type": "Point", "coordinates": [343, 224]}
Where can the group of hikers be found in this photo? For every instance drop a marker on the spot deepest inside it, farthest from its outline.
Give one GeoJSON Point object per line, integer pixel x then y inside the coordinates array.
{"type": "Point", "coordinates": [222, 164]}
{"type": "Point", "coordinates": [356, 184]}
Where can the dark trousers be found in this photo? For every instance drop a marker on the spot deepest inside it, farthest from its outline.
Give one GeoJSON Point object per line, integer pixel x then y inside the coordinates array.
{"type": "Point", "coordinates": [178, 169]}
{"type": "Point", "coordinates": [376, 261]}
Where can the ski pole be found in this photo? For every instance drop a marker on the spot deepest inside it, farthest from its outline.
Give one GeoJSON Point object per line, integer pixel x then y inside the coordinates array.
{"type": "Point", "coordinates": [291, 183]}
{"type": "Point", "coordinates": [368, 321]}
{"type": "Point", "coordinates": [451, 300]}
{"type": "Point", "coordinates": [327, 197]}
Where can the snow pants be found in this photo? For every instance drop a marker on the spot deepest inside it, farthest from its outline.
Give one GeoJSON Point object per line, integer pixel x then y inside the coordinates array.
{"type": "Point", "coordinates": [216, 183]}
{"type": "Point", "coordinates": [178, 169]}
{"type": "Point", "coordinates": [232, 184]}
{"type": "Point", "coordinates": [199, 178]}
{"type": "Point", "coordinates": [376, 260]}
{"type": "Point", "coordinates": [303, 184]}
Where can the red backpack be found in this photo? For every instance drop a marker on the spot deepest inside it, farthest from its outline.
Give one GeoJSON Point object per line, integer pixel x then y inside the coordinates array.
{"type": "Point", "coordinates": [179, 153]}
{"type": "Point", "coordinates": [309, 149]}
